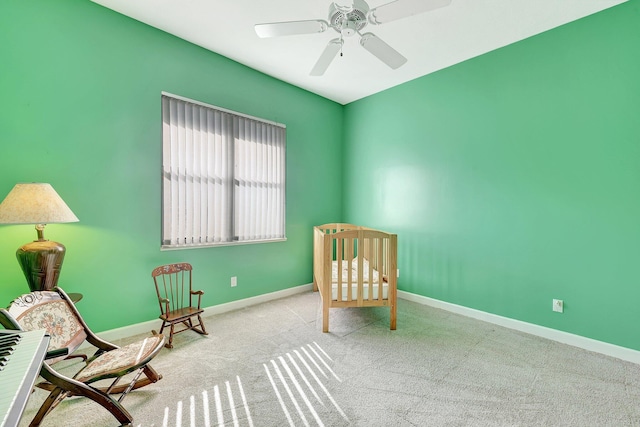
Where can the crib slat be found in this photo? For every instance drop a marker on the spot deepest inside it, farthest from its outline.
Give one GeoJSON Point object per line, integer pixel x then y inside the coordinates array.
{"type": "Point", "coordinates": [381, 262]}
{"type": "Point", "coordinates": [349, 286]}
{"type": "Point", "coordinates": [339, 243]}
{"type": "Point", "coordinates": [326, 277]}
{"type": "Point", "coordinates": [360, 284]}
{"type": "Point", "coordinates": [368, 242]}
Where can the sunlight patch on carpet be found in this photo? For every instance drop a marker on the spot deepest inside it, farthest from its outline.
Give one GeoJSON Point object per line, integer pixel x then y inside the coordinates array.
{"type": "Point", "coordinates": [293, 381]}
{"type": "Point", "coordinates": [194, 420]}
{"type": "Point", "coordinates": [298, 379]}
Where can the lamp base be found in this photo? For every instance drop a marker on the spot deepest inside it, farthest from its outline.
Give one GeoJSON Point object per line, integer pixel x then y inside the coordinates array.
{"type": "Point", "coordinates": [41, 262]}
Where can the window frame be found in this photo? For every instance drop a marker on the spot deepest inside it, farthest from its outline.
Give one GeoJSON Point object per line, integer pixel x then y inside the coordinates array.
{"type": "Point", "coordinates": [274, 188]}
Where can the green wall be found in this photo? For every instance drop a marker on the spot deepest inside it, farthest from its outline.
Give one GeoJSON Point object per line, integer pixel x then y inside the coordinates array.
{"type": "Point", "coordinates": [80, 108]}
{"type": "Point", "coordinates": [514, 178]}
{"type": "Point", "coordinates": [511, 179]}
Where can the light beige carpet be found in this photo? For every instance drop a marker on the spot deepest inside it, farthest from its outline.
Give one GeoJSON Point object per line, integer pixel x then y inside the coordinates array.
{"type": "Point", "coordinates": [270, 365]}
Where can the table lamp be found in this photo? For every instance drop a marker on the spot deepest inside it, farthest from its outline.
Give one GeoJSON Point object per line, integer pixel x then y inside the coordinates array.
{"type": "Point", "coordinates": [39, 204]}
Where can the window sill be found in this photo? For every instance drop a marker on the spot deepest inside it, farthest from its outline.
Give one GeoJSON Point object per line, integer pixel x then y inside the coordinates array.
{"type": "Point", "coordinates": [215, 245]}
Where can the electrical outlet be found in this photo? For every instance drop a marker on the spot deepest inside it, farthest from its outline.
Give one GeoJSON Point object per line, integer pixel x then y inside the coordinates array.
{"type": "Point", "coordinates": [558, 305]}
{"type": "Point", "coordinates": [234, 281]}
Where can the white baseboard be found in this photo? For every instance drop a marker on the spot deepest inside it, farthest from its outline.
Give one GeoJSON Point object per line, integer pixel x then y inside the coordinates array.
{"type": "Point", "coordinates": [146, 327]}
{"type": "Point", "coordinates": [530, 328]}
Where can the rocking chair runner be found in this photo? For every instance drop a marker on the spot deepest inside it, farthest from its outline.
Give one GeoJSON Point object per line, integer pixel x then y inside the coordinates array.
{"type": "Point", "coordinates": [176, 298]}
{"type": "Point", "coordinates": [54, 312]}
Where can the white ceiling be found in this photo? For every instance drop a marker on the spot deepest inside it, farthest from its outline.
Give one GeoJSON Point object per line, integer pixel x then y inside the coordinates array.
{"type": "Point", "coordinates": [430, 41]}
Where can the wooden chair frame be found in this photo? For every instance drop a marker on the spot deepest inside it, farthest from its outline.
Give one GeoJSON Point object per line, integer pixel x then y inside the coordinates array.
{"type": "Point", "coordinates": [176, 299]}
{"type": "Point", "coordinates": [21, 315]}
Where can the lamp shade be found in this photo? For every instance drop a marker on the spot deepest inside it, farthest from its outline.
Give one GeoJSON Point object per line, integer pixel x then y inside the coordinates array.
{"type": "Point", "coordinates": [34, 203]}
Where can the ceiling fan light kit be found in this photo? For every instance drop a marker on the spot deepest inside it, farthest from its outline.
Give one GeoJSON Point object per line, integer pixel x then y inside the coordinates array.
{"type": "Point", "coordinates": [349, 20]}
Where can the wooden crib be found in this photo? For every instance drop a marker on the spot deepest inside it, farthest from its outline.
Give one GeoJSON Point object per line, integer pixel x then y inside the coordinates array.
{"type": "Point", "coordinates": [354, 266]}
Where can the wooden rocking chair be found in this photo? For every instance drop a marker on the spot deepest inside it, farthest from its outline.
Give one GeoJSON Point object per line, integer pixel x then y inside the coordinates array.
{"type": "Point", "coordinates": [56, 313]}
{"type": "Point", "coordinates": [179, 303]}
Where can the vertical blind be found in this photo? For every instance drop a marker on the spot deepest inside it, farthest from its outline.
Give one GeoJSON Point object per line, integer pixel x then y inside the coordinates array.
{"type": "Point", "coordinates": [223, 176]}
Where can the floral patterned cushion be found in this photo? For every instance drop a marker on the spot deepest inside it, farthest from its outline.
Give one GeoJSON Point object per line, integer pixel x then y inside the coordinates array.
{"type": "Point", "coordinates": [119, 361]}
{"type": "Point", "coordinates": [58, 320]}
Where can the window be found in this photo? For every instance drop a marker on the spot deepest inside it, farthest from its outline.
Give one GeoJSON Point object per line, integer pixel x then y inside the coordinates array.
{"type": "Point", "coordinates": [223, 176]}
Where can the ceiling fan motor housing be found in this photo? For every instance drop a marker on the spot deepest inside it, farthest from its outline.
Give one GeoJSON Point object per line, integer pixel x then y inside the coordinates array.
{"type": "Point", "coordinates": [348, 22]}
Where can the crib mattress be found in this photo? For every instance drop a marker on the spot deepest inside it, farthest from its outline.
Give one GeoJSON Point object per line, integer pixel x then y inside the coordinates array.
{"type": "Point", "coordinates": [354, 272]}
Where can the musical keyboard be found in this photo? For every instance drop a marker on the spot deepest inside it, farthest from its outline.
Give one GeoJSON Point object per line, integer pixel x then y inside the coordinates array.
{"type": "Point", "coordinates": [21, 356]}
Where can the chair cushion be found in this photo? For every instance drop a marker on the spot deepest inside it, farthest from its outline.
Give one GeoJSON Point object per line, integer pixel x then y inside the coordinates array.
{"type": "Point", "coordinates": [121, 360]}
{"type": "Point", "coordinates": [58, 320]}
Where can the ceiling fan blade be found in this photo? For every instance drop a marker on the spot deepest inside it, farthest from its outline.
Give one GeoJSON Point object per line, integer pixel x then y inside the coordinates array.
{"type": "Point", "coordinates": [345, 6]}
{"type": "Point", "coordinates": [382, 51]}
{"type": "Point", "coordinates": [330, 52]}
{"type": "Point", "coordinates": [291, 28]}
{"type": "Point", "coordinates": [402, 9]}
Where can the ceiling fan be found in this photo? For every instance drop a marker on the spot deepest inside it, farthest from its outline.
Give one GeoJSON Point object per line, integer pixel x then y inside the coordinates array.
{"type": "Point", "coordinates": [349, 18]}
